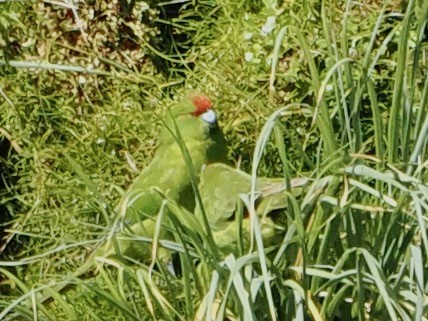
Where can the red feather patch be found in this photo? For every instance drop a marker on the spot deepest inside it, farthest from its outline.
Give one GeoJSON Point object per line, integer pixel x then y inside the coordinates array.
{"type": "Point", "coordinates": [201, 102]}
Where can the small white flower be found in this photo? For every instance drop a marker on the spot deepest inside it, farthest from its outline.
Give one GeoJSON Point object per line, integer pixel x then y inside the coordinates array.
{"type": "Point", "coordinates": [248, 35]}
{"type": "Point", "coordinates": [249, 56]}
{"type": "Point", "coordinates": [82, 80]}
{"type": "Point", "coordinates": [100, 141]}
{"type": "Point", "coordinates": [269, 25]}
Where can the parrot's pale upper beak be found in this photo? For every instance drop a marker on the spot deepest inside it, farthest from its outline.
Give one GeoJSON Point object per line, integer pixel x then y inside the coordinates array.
{"type": "Point", "coordinates": [210, 118]}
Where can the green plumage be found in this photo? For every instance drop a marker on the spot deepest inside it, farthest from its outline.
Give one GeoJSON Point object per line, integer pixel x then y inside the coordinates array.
{"type": "Point", "coordinates": [222, 189]}
{"type": "Point", "coordinates": [168, 170]}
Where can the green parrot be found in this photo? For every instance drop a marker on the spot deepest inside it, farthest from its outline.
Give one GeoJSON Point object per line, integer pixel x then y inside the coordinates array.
{"type": "Point", "coordinates": [195, 121]}
{"type": "Point", "coordinates": [222, 189]}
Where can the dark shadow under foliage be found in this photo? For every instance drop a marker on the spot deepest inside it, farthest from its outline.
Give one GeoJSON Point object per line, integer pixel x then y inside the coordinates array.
{"type": "Point", "coordinates": [5, 207]}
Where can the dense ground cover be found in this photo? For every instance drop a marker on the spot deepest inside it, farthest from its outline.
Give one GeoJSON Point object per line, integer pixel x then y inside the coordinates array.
{"type": "Point", "coordinates": [333, 91]}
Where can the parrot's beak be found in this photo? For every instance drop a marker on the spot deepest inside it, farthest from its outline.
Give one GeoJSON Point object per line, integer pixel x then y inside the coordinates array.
{"type": "Point", "coordinates": [210, 118]}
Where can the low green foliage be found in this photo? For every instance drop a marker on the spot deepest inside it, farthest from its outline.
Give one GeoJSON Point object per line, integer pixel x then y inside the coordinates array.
{"type": "Point", "coordinates": [305, 89]}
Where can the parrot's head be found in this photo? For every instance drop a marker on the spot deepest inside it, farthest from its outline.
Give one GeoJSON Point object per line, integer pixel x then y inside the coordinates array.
{"type": "Point", "coordinates": [196, 108]}
{"type": "Point", "coordinates": [196, 121]}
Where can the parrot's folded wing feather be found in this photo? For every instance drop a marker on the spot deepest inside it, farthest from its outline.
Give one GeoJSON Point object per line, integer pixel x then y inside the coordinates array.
{"type": "Point", "coordinates": [222, 187]}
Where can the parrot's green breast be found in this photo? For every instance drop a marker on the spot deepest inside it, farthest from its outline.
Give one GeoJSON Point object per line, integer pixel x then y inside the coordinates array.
{"type": "Point", "coordinates": [169, 172]}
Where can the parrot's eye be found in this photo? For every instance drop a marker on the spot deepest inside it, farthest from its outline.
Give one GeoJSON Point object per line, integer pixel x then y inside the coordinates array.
{"type": "Point", "coordinates": [209, 117]}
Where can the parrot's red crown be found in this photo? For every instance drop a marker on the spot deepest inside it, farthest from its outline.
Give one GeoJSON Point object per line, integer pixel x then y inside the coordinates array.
{"type": "Point", "coordinates": [201, 102]}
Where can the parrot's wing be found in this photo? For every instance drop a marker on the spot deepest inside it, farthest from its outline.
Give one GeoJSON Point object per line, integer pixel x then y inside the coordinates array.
{"type": "Point", "coordinates": [221, 188]}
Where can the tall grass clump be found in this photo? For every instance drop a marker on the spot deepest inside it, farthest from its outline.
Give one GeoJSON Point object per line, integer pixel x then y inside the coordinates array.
{"type": "Point", "coordinates": [306, 91]}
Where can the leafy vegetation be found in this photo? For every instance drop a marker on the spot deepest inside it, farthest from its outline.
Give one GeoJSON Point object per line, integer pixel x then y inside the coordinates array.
{"type": "Point", "coordinates": [332, 91]}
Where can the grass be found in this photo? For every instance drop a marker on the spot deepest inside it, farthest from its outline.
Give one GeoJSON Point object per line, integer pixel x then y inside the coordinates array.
{"type": "Point", "coordinates": [321, 96]}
